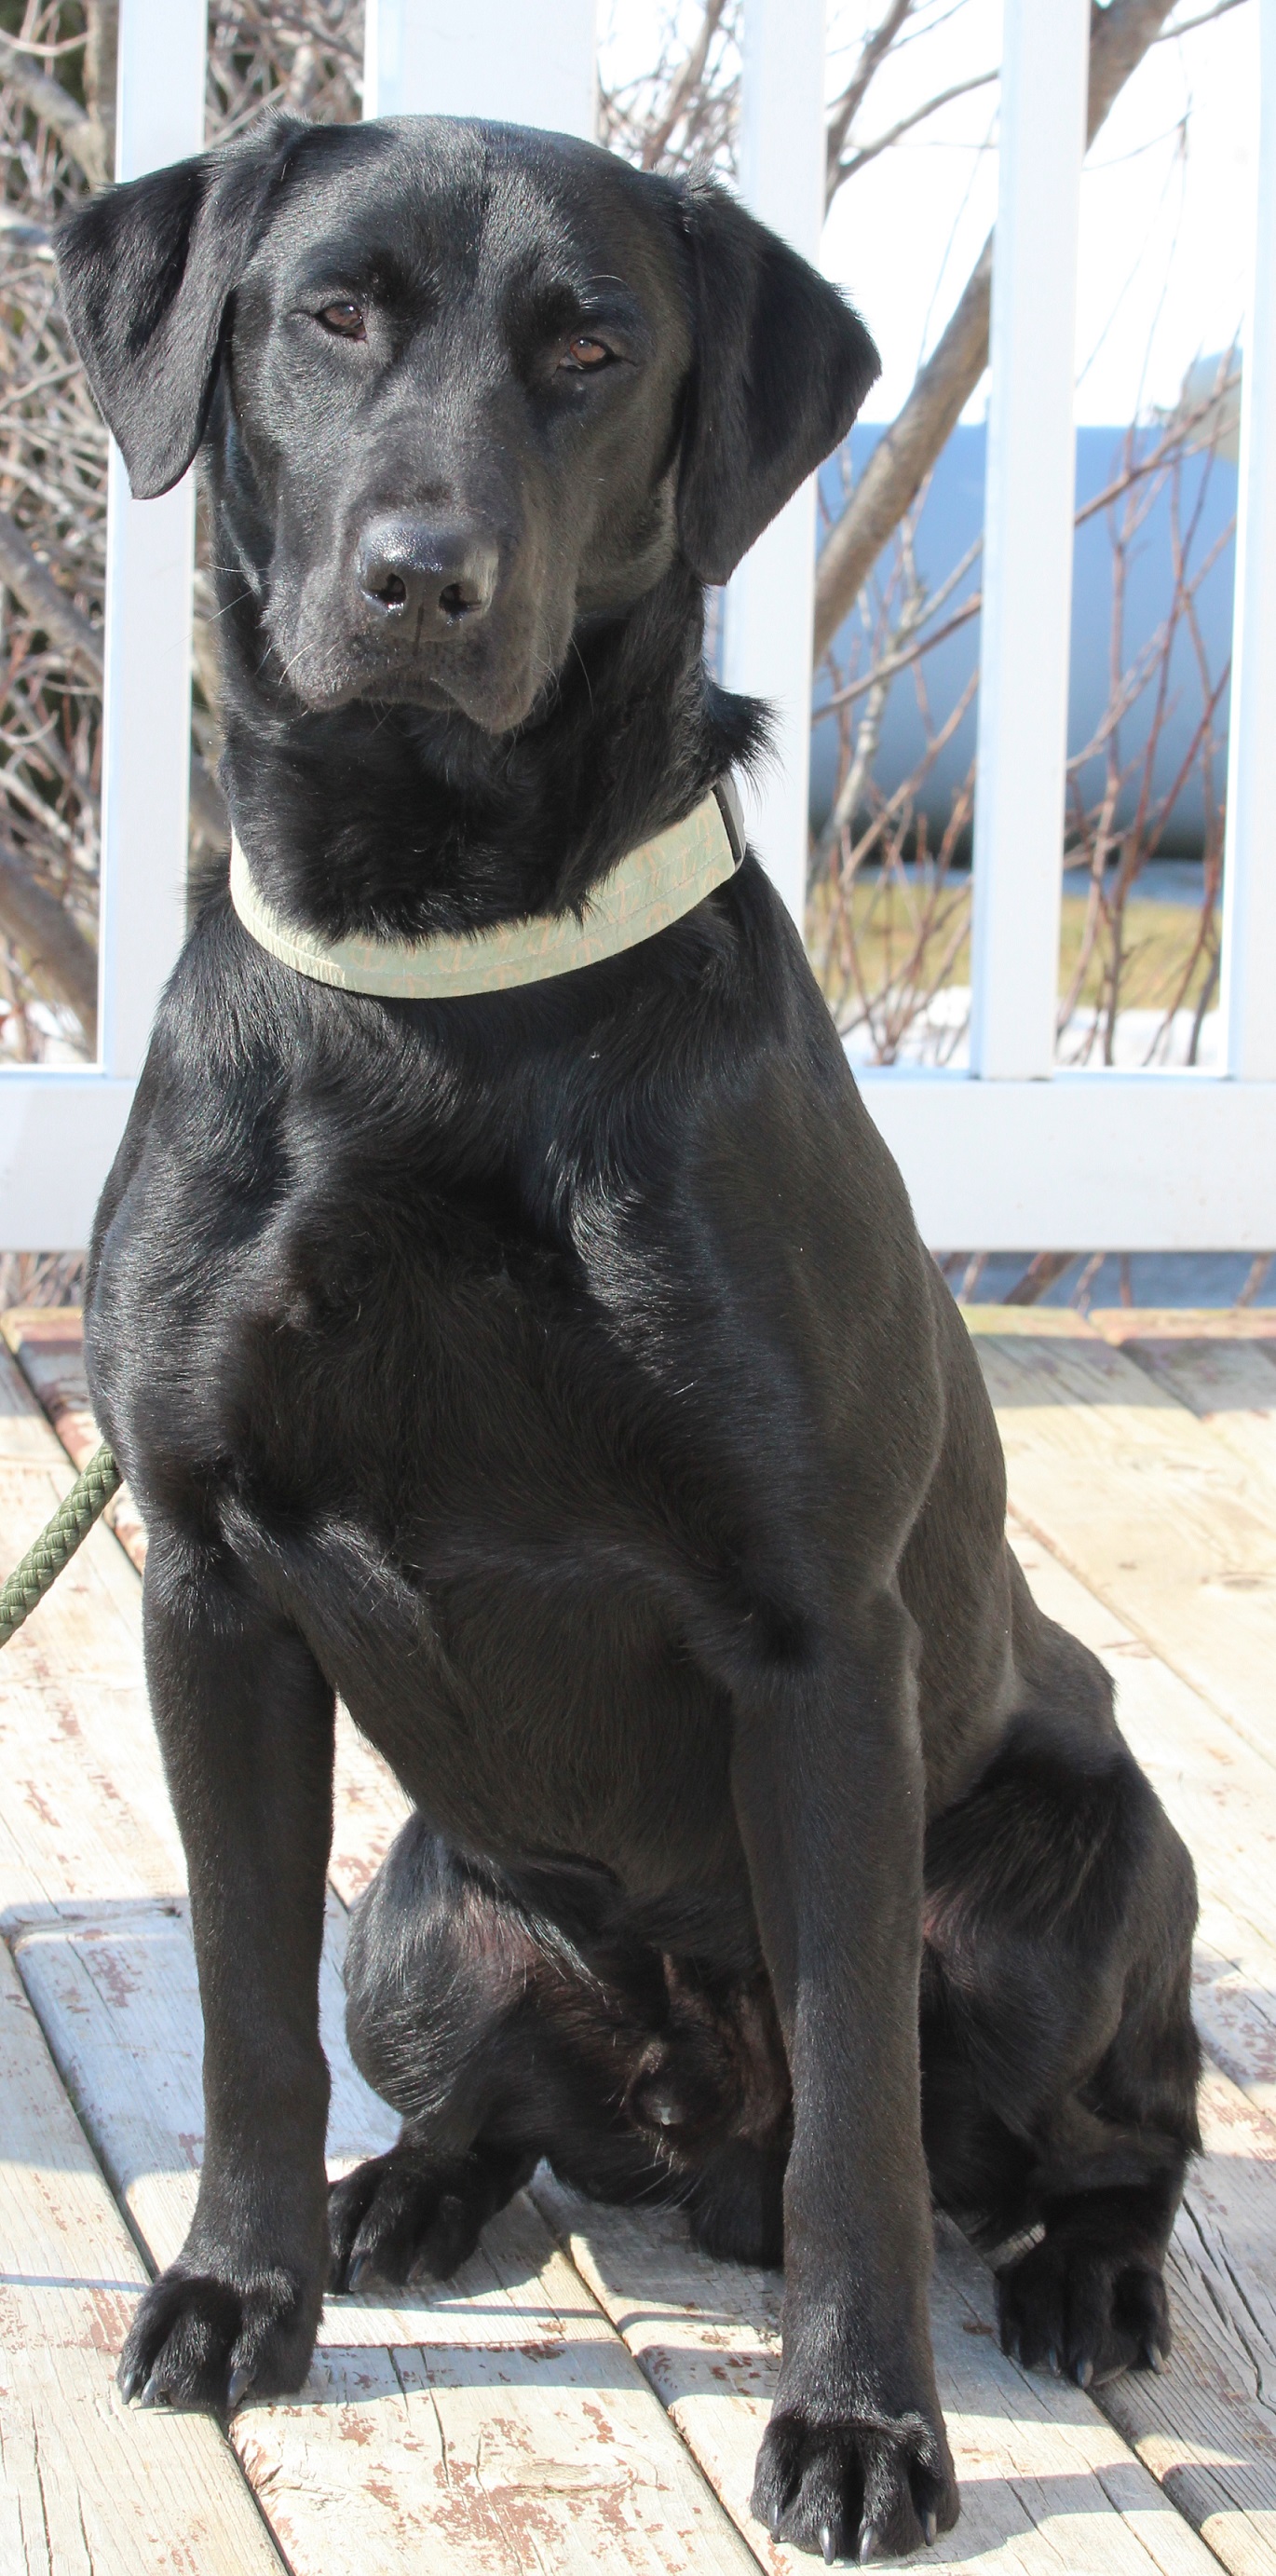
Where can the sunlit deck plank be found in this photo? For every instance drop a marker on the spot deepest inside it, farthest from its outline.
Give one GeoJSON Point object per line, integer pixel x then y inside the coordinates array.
{"type": "Point", "coordinates": [1227, 1380]}
{"type": "Point", "coordinates": [88, 2488]}
{"type": "Point", "coordinates": [1210, 2457]}
{"type": "Point", "coordinates": [1154, 1512]}
{"type": "Point", "coordinates": [495, 2423]}
{"type": "Point", "coordinates": [1222, 1797]}
{"type": "Point", "coordinates": [1048, 2485]}
{"type": "Point", "coordinates": [555, 2451]}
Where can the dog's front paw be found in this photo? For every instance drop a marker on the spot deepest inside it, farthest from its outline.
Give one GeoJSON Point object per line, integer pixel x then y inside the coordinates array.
{"type": "Point", "coordinates": [1084, 2309]}
{"type": "Point", "coordinates": [858, 2487]}
{"type": "Point", "coordinates": [407, 2213]}
{"type": "Point", "coordinates": [206, 2338]}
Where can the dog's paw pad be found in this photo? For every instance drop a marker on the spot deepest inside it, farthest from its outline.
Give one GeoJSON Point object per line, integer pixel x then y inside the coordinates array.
{"type": "Point", "coordinates": [203, 2338]}
{"type": "Point", "coordinates": [855, 2489]}
{"type": "Point", "coordinates": [1084, 2311]}
{"type": "Point", "coordinates": [394, 2216]}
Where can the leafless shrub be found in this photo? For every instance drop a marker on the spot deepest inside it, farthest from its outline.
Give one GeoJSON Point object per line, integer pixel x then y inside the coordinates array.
{"type": "Point", "coordinates": [885, 935]}
{"type": "Point", "coordinates": [1115, 853]}
{"type": "Point", "coordinates": [676, 111]}
{"type": "Point", "coordinates": [889, 910]}
{"type": "Point", "coordinates": [681, 112]}
{"type": "Point", "coordinates": [888, 915]}
{"type": "Point", "coordinates": [56, 137]}
{"type": "Point", "coordinates": [41, 1279]}
{"type": "Point", "coordinates": [52, 492]}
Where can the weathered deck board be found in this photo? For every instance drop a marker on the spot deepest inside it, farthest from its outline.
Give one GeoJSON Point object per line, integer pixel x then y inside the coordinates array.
{"type": "Point", "coordinates": [1208, 2427]}
{"type": "Point", "coordinates": [368, 1809]}
{"type": "Point", "coordinates": [497, 2423]}
{"type": "Point", "coordinates": [85, 1811]}
{"type": "Point", "coordinates": [1156, 1514]}
{"type": "Point", "coordinates": [369, 1806]}
{"type": "Point", "coordinates": [1214, 1324]}
{"type": "Point", "coordinates": [47, 1342]}
{"type": "Point", "coordinates": [1034, 2501]}
{"type": "Point", "coordinates": [529, 2437]}
{"type": "Point", "coordinates": [1047, 2484]}
{"type": "Point", "coordinates": [1226, 1380]}
{"type": "Point", "coordinates": [86, 2487]}
{"type": "Point", "coordinates": [1222, 1797]}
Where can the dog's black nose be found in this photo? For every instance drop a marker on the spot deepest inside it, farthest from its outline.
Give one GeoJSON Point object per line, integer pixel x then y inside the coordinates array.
{"type": "Point", "coordinates": [430, 577]}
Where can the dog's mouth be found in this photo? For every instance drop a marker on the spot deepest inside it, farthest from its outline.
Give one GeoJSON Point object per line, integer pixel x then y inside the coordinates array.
{"type": "Point", "coordinates": [494, 685]}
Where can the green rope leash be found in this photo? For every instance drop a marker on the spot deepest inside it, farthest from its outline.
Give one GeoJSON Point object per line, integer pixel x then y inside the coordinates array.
{"type": "Point", "coordinates": [57, 1544]}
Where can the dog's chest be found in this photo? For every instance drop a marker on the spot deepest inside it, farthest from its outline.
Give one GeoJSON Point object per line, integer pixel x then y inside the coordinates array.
{"type": "Point", "coordinates": [502, 1530]}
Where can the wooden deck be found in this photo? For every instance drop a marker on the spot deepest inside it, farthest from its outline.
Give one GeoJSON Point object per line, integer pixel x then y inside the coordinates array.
{"type": "Point", "coordinates": [588, 2394]}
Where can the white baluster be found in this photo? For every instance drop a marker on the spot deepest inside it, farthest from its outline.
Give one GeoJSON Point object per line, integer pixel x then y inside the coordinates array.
{"type": "Point", "coordinates": [522, 62]}
{"type": "Point", "coordinates": [1249, 904]}
{"type": "Point", "coordinates": [1028, 532]}
{"type": "Point", "coordinates": [770, 602]}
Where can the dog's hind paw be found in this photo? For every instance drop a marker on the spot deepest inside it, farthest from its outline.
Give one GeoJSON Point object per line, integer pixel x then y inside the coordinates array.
{"type": "Point", "coordinates": [1086, 2310]}
{"type": "Point", "coordinates": [205, 2339]}
{"type": "Point", "coordinates": [855, 2489]}
{"type": "Point", "coordinates": [407, 2214]}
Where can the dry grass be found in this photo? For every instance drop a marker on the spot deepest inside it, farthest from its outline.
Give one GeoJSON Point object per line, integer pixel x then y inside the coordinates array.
{"type": "Point", "coordinates": [903, 932]}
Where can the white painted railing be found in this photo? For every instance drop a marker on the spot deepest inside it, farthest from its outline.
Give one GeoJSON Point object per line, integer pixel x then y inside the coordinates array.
{"type": "Point", "coordinates": [1012, 1155]}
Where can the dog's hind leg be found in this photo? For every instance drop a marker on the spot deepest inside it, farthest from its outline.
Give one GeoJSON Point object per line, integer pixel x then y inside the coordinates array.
{"type": "Point", "coordinates": [502, 2030]}
{"type": "Point", "coordinates": [1059, 2056]}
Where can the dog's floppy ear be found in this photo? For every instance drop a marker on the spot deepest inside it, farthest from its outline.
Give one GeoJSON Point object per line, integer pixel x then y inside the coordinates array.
{"type": "Point", "coordinates": [782, 365]}
{"type": "Point", "coordinates": [146, 271]}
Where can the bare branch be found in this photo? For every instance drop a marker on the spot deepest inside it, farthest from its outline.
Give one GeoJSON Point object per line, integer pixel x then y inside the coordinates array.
{"type": "Point", "coordinates": [45, 98]}
{"type": "Point", "coordinates": [45, 600]}
{"type": "Point", "coordinates": [1206, 19]}
{"type": "Point", "coordinates": [845, 109]}
{"type": "Point", "coordinates": [1121, 35]}
{"type": "Point", "coordinates": [684, 87]}
{"type": "Point", "coordinates": [101, 54]}
{"type": "Point", "coordinates": [866, 152]}
{"type": "Point", "coordinates": [892, 663]}
{"type": "Point", "coordinates": [209, 819]}
{"type": "Point", "coordinates": [59, 960]}
{"type": "Point", "coordinates": [1041, 1273]}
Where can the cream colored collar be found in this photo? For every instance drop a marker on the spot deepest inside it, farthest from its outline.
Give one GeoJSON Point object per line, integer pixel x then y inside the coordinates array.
{"type": "Point", "coordinates": [653, 886]}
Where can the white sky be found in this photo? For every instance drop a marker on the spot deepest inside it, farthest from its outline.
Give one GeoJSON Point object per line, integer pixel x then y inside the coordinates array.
{"type": "Point", "coordinates": [1166, 204]}
{"type": "Point", "coordinates": [1166, 200]}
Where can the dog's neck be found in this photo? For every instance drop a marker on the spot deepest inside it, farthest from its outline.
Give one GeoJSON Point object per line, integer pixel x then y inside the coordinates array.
{"type": "Point", "coordinates": [397, 822]}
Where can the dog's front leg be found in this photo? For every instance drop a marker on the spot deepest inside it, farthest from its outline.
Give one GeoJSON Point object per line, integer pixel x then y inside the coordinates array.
{"type": "Point", "coordinates": [245, 1722]}
{"type": "Point", "coordinates": [829, 1794]}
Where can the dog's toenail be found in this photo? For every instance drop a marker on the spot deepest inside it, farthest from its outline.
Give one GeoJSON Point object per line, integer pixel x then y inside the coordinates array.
{"type": "Point", "coordinates": [241, 2381]}
{"type": "Point", "coordinates": [828, 2546]}
{"type": "Point", "coordinates": [1084, 2372]}
{"type": "Point", "coordinates": [930, 2527]}
{"type": "Point", "coordinates": [153, 2394]}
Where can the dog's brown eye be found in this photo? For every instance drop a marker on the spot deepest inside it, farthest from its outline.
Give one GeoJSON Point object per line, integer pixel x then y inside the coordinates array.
{"type": "Point", "coordinates": [345, 319]}
{"type": "Point", "coordinates": [581, 354]}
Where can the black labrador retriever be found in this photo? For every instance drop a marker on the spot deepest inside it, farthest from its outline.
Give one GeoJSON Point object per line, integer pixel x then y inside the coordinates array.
{"type": "Point", "coordinates": [557, 1375]}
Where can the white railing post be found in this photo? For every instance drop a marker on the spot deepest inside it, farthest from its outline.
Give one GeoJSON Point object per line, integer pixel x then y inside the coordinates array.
{"type": "Point", "coordinates": [771, 598]}
{"type": "Point", "coordinates": [149, 559]}
{"type": "Point", "coordinates": [521, 62]}
{"type": "Point", "coordinates": [1028, 535]}
{"type": "Point", "coordinates": [1249, 877]}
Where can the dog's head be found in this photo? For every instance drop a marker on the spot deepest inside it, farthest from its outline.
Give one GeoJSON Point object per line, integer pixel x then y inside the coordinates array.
{"type": "Point", "coordinates": [469, 384]}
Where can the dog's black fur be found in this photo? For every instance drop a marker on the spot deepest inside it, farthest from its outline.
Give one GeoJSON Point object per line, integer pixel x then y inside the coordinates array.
{"type": "Point", "coordinates": [558, 1375]}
